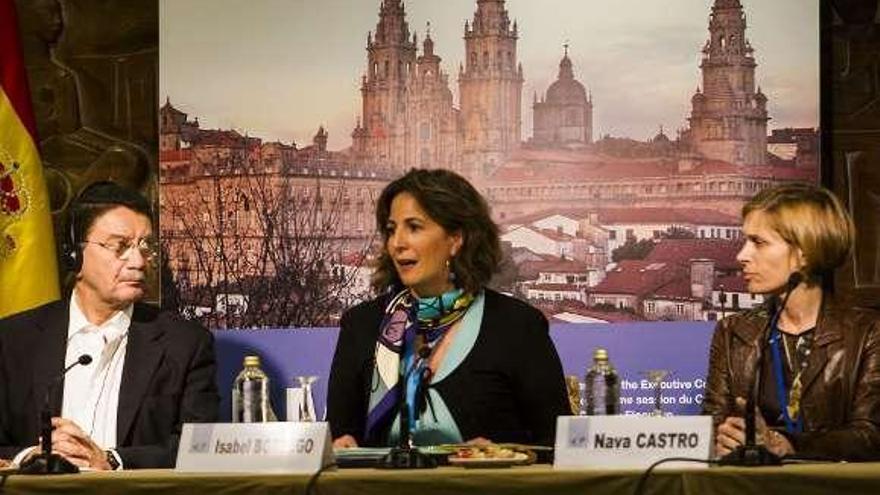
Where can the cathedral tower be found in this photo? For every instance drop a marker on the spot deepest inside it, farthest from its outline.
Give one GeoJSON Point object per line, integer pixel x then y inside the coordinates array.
{"type": "Point", "coordinates": [729, 117]}
{"type": "Point", "coordinates": [490, 88]}
{"type": "Point", "coordinates": [391, 56]}
{"type": "Point", "coordinates": [431, 119]}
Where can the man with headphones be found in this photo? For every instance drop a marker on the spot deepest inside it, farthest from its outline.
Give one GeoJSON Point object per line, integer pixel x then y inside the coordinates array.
{"type": "Point", "coordinates": [149, 371]}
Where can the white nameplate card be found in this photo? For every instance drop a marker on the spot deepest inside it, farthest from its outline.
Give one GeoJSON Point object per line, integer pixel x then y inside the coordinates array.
{"type": "Point", "coordinates": [631, 442]}
{"type": "Point", "coordinates": [276, 447]}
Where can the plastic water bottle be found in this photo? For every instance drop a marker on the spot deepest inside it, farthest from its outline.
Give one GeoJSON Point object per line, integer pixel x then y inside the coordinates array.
{"type": "Point", "coordinates": [250, 394]}
{"type": "Point", "coordinates": [602, 386]}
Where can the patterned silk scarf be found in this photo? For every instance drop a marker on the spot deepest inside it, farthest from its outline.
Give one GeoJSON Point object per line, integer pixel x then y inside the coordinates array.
{"type": "Point", "coordinates": [410, 330]}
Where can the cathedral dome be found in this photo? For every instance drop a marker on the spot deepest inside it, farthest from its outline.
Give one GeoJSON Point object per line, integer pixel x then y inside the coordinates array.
{"type": "Point", "coordinates": [566, 92]}
{"type": "Point", "coordinates": [566, 89]}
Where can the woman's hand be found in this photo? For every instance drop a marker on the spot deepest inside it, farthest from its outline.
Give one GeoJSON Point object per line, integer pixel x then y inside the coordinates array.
{"type": "Point", "coordinates": [731, 433]}
{"type": "Point", "coordinates": [345, 442]}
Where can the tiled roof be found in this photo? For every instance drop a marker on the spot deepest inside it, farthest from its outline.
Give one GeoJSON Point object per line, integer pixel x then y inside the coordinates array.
{"type": "Point", "coordinates": [556, 287]}
{"type": "Point", "coordinates": [681, 251]}
{"type": "Point", "coordinates": [554, 235]}
{"type": "Point", "coordinates": [218, 138]}
{"type": "Point", "coordinates": [678, 288]}
{"type": "Point", "coordinates": [554, 266]}
{"type": "Point", "coordinates": [637, 277]}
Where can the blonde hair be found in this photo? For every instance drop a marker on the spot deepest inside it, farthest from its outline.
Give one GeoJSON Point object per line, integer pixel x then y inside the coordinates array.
{"type": "Point", "coordinates": [810, 218]}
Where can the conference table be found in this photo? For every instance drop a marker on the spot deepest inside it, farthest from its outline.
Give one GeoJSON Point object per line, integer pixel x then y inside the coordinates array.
{"type": "Point", "coordinates": [801, 479]}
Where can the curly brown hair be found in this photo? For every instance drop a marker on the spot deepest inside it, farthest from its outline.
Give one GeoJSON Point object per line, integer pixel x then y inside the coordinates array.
{"type": "Point", "coordinates": [451, 201]}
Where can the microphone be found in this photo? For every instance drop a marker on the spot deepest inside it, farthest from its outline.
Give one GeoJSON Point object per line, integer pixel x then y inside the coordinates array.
{"type": "Point", "coordinates": [48, 462]}
{"type": "Point", "coordinates": [404, 455]}
{"type": "Point", "coordinates": [750, 453]}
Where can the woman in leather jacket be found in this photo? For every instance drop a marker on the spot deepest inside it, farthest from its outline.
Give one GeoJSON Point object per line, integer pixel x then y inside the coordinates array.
{"type": "Point", "coordinates": [819, 392]}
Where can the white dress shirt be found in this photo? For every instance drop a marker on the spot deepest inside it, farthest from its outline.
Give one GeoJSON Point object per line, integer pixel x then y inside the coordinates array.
{"type": "Point", "coordinates": [91, 392]}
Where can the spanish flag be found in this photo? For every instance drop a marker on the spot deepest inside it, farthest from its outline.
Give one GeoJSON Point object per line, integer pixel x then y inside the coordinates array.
{"type": "Point", "coordinates": [28, 267]}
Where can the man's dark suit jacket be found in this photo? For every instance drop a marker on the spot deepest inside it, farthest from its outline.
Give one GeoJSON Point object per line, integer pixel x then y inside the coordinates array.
{"type": "Point", "coordinates": [168, 379]}
{"type": "Point", "coordinates": [509, 388]}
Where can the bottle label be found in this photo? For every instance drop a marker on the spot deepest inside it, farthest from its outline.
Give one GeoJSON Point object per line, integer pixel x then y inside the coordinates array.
{"type": "Point", "coordinates": [252, 401]}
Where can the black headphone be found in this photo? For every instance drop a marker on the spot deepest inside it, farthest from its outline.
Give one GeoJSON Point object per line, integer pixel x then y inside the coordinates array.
{"type": "Point", "coordinates": [72, 257]}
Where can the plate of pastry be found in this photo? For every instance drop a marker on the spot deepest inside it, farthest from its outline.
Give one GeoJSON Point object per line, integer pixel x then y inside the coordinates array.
{"type": "Point", "coordinates": [488, 456]}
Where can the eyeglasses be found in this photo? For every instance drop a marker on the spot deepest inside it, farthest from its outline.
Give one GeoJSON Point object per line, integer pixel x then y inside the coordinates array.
{"type": "Point", "coordinates": [125, 247]}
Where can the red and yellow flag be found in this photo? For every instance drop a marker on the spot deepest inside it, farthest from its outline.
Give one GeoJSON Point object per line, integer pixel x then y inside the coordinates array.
{"type": "Point", "coordinates": [28, 267]}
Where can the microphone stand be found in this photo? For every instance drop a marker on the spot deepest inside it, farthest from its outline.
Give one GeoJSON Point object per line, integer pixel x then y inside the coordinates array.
{"type": "Point", "coordinates": [751, 454]}
{"type": "Point", "coordinates": [405, 455]}
{"type": "Point", "coordinates": [48, 462]}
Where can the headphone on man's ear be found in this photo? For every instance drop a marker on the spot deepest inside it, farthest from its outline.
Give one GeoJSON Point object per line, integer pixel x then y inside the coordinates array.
{"type": "Point", "coordinates": [72, 257]}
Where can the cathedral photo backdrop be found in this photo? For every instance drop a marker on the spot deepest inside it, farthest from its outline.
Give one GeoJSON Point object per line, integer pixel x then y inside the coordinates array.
{"type": "Point", "coordinates": [615, 144]}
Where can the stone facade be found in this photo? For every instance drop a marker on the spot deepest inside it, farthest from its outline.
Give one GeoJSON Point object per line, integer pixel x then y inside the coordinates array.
{"type": "Point", "coordinates": [729, 116]}
{"type": "Point", "coordinates": [408, 116]}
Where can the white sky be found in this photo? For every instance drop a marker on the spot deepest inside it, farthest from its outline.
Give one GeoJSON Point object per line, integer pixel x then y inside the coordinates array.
{"type": "Point", "coordinates": [279, 68]}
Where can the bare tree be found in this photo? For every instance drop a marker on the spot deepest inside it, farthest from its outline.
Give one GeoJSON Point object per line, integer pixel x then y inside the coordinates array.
{"type": "Point", "coordinates": [255, 248]}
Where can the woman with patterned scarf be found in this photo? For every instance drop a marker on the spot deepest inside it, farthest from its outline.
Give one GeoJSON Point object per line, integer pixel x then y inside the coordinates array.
{"type": "Point", "coordinates": [473, 364]}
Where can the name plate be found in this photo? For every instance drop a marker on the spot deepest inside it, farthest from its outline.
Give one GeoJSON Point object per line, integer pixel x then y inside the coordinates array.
{"type": "Point", "coordinates": [631, 442]}
{"type": "Point", "coordinates": [276, 447]}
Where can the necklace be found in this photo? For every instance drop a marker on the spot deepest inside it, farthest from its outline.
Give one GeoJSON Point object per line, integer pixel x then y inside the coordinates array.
{"type": "Point", "coordinates": [802, 352]}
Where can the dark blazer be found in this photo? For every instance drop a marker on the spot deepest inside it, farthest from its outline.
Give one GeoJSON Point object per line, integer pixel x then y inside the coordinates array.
{"type": "Point", "coordinates": [841, 394]}
{"type": "Point", "coordinates": [168, 379]}
{"type": "Point", "coordinates": [509, 388]}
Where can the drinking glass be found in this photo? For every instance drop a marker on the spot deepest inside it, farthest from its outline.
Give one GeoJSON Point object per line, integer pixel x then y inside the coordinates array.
{"type": "Point", "coordinates": [307, 406]}
{"type": "Point", "coordinates": [656, 378]}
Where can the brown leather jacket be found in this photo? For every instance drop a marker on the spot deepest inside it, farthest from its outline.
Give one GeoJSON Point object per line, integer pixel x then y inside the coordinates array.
{"type": "Point", "coordinates": [841, 397]}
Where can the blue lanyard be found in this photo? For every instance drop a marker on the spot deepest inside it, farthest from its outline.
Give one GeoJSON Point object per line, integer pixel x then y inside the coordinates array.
{"type": "Point", "coordinates": [791, 425]}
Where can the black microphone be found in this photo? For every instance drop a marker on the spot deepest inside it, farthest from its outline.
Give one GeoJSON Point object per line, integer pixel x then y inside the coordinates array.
{"type": "Point", "coordinates": [47, 462]}
{"type": "Point", "coordinates": [750, 453]}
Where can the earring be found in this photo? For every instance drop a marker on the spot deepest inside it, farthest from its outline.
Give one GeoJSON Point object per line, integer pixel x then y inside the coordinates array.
{"type": "Point", "coordinates": [451, 271]}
